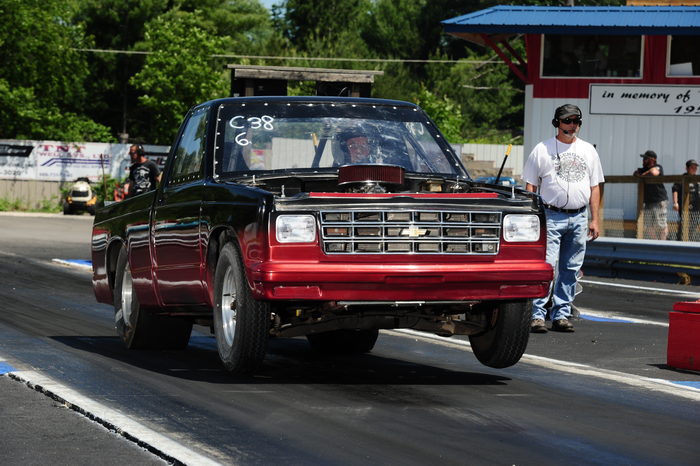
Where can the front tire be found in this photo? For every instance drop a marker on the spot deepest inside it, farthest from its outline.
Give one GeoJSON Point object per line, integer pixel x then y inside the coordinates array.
{"type": "Point", "coordinates": [137, 327]}
{"type": "Point", "coordinates": [504, 341]}
{"type": "Point", "coordinates": [241, 324]}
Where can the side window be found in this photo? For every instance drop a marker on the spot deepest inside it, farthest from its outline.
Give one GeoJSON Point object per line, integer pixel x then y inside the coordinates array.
{"type": "Point", "coordinates": [592, 56]}
{"type": "Point", "coordinates": [684, 59]}
{"type": "Point", "coordinates": [190, 150]}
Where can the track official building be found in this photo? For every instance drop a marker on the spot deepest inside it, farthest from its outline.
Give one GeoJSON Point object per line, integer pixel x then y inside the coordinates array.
{"type": "Point", "coordinates": [633, 70]}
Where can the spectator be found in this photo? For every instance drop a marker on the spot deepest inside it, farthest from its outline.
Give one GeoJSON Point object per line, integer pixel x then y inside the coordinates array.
{"type": "Point", "coordinates": [655, 198]}
{"type": "Point", "coordinates": [143, 173]}
{"type": "Point", "coordinates": [567, 173]}
{"type": "Point", "coordinates": [691, 169]}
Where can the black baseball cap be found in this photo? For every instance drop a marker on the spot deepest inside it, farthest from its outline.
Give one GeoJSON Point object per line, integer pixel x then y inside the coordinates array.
{"type": "Point", "coordinates": [650, 153]}
{"type": "Point", "coordinates": [566, 111]}
{"type": "Point", "coordinates": [690, 162]}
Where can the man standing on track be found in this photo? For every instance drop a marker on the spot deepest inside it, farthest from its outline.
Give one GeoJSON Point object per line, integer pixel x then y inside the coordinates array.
{"type": "Point", "coordinates": [566, 172]}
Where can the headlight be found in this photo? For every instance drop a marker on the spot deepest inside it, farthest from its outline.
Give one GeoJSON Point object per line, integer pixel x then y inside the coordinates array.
{"type": "Point", "coordinates": [92, 201]}
{"type": "Point", "coordinates": [524, 228]}
{"type": "Point", "coordinates": [296, 228]}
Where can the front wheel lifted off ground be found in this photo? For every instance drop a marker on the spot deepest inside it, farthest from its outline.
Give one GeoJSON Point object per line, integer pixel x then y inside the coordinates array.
{"type": "Point", "coordinates": [503, 342]}
{"type": "Point", "coordinates": [241, 324]}
{"type": "Point", "coordinates": [137, 327]}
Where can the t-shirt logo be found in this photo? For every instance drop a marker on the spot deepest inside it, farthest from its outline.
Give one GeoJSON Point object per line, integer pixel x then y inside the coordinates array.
{"type": "Point", "coordinates": [570, 167]}
{"type": "Point", "coordinates": [142, 180]}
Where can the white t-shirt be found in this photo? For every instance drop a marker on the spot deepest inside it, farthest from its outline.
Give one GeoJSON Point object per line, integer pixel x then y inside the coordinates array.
{"type": "Point", "coordinates": [565, 173]}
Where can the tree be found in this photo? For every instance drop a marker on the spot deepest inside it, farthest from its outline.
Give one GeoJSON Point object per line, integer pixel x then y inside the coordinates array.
{"type": "Point", "coordinates": [117, 25]}
{"type": "Point", "coordinates": [306, 20]}
{"type": "Point", "coordinates": [42, 79]}
{"type": "Point", "coordinates": [179, 72]}
{"type": "Point", "coordinates": [491, 98]}
{"type": "Point", "coordinates": [243, 25]}
{"type": "Point", "coordinates": [444, 111]}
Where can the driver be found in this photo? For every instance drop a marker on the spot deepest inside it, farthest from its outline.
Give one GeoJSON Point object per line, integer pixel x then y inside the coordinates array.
{"type": "Point", "coordinates": [354, 145]}
{"type": "Point", "coordinates": [358, 149]}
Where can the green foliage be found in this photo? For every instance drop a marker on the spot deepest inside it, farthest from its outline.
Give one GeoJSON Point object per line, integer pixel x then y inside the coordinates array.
{"type": "Point", "coordinates": [309, 21]}
{"type": "Point", "coordinates": [117, 25]}
{"type": "Point", "coordinates": [53, 87]}
{"type": "Point", "coordinates": [51, 205]}
{"type": "Point", "coordinates": [41, 80]}
{"type": "Point", "coordinates": [104, 189]}
{"type": "Point", "coordinates": [491, 96]}
{"type": "Point", "coordinates": [445, 113]}
{"type": "Point", "coordinates": [8, 205]}
{"type": "Point", "coordinates": [22, 116]}
{"type": "Point", "coordinates": [179, 73]}
{"type": "Point", "coordinates": [37, 43]}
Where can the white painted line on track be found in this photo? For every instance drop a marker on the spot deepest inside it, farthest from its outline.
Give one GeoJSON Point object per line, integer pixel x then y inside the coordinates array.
{"type": "Point", "coordinates": [621, 317]}
{"type": "Point", "coordinates": [657, 385]}
{"type": "Point", "coordinates": [643, 288]}
{"type": "Point", "coordinates": [112, 419]}
{"type": "Point", "coordinates": [80, 264]}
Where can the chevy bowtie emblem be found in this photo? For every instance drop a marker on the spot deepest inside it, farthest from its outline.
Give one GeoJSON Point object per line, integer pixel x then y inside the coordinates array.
{"type": "Point", "coordinates": [413, 232]}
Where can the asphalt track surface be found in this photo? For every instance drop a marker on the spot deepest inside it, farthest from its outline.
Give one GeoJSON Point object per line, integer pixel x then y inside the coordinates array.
{"type": "Point", "coordinates": [73, 395]}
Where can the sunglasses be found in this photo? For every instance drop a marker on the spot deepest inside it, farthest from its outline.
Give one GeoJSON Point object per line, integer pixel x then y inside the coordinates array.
{"type": "Point", "coordinates": [568, 121]}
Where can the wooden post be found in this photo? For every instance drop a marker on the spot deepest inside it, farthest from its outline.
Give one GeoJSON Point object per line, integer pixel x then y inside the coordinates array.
{"type": "Point", "coordinates": [685, 213]}
{"type": "Point", "coordinates": [640, 208]}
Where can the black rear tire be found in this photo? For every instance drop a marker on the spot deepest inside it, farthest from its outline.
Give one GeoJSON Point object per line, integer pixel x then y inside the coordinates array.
{"type": "Point", "coordinates": [504, 341]}
{"type": "Point", "coordinates": [344, 341]}
{"type": "Point", "coordinates": [137, 327]}
{"type": "Point", "coordinates": [241, 323]}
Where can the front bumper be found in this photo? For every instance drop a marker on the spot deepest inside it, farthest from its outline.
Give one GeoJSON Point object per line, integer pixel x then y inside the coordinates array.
{"type": "Point", "coordinates": [395, 282]}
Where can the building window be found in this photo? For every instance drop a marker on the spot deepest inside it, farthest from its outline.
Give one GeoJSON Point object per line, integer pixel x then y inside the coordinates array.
{"type": "Point", "coordinates": [592, 56]}
{"type": "Point", "coordinates": [684, 56]}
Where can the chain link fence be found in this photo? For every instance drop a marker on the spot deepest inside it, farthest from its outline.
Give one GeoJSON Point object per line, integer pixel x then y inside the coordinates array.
{"type": "Point", "coordinates": [624, 215]}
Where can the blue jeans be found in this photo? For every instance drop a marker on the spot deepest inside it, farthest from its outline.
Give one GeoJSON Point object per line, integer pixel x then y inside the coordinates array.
{"type": "Point", "coordinates": [566, 249]}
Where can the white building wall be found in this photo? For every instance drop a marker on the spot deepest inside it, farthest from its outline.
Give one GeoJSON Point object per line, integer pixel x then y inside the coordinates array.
{"type": "Point", "coordinates": [619, 140]}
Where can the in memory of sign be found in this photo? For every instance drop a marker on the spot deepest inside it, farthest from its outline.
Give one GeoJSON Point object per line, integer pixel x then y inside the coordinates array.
{"type": "Point", "coordinates": [641, 99]}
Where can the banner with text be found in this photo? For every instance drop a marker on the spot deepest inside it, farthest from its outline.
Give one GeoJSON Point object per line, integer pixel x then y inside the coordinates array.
{"type": "Point", "coordinates": [58, 161]}
{"type": "Point", "coordinates": [640, 99]}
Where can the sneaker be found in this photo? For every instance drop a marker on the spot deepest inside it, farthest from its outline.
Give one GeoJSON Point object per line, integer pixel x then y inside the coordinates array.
{"type": "Point", "coordinates": [562, 325]}
{"type": "Point", "coordinates": [537, 326]}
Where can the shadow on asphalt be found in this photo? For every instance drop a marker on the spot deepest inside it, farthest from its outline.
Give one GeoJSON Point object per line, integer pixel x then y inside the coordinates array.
{"type": "Point", "coordinates": [288, 361]}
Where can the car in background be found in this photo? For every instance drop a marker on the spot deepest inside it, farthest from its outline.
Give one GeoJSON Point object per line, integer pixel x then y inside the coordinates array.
{"type": "Point", "coordinates": [80, 198]}
{"type": "Point", "coordinates": [502, 181]}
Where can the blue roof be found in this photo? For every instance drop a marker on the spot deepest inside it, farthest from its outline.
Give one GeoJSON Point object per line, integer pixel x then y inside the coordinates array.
{"type": "Point", "coordinates": [603, 20]}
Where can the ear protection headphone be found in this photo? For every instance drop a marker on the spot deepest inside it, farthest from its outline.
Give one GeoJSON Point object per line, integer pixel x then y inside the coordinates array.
{"type": "Point", "coordinates": [139, 150]}
{"type": "Point", "coordinates": [563, 110]}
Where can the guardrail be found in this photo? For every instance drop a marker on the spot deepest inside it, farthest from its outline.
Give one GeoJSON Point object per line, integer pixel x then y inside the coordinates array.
{"type": "Point", "coordinates": [653, 260]}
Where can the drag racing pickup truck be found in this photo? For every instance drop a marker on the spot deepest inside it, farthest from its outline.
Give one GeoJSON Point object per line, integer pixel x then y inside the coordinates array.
{"type": "Point", "coordinates": [329, 218]}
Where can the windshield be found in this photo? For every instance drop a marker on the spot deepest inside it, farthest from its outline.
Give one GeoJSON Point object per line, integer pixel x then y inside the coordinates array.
{"type": "Point", "coordinates": [285, 135]}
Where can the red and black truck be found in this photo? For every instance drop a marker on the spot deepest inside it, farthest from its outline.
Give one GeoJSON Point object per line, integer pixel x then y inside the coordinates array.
{"type": "Point", "coordinates": [330, 218]}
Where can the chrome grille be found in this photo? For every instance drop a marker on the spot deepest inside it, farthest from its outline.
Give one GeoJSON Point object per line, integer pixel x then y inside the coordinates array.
{"type": "Point", "coordinates": [410, 232]}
